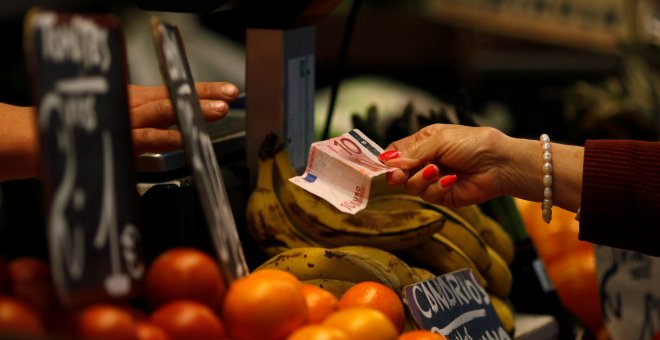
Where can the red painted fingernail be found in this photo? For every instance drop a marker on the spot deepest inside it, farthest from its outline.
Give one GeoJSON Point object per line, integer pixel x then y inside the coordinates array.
{"type": "Point", "coordinates": [386, 156]}
{"type": "Point", "coordinates": [430, 172]}
{"type": "Point", "coordinates": [447, 181]}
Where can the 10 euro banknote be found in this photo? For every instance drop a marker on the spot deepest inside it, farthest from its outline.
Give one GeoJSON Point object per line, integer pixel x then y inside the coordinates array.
{"type": "Point", "coordinates": [341, 169]}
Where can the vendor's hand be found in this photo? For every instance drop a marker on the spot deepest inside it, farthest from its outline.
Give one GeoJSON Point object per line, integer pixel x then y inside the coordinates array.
{"type": "Point", "coordinates": [451, 165]}
{"type": "Point", "coordinates": [152, 113]}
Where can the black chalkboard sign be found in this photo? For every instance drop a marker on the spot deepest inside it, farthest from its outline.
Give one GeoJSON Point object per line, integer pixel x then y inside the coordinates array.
{"type": "Point", "coordinates": [78, 66]}
{"type": "Point", "coordinates": [456, 306]}
{"type": "Point", "coordinates": [199, 150]}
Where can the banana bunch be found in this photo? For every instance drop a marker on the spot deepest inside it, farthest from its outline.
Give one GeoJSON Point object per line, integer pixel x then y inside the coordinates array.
{"type": "Point", "coordinates": [397, 240]}
{"type": "Point", "coordinates": [505, 312]}
{"type": "Point", "coordinates": [281, 215]}
{"type": "Point", "coordinates": [334, 286]}
{"type": "Point", "coordinates": [338, 268]}
{"type": "Point", "coordinates": [267, 221]}
{"type": "Point", "coordinates": [468, 239]}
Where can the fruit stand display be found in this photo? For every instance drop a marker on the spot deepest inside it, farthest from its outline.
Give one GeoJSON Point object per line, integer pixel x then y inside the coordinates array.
{"type": "Point", "coordinates": [325, 274]}
{"type": "Point", "coordinates": [398, 240]}
{"type": "Point", "coordinates": [311, 286]}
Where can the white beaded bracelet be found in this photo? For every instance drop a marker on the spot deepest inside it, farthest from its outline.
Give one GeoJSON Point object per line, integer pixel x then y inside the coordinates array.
{"type": "Point", "coordinates": [546, 206]}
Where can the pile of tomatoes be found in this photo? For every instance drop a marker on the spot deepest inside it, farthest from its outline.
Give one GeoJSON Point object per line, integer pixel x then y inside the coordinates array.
{"type": "Point", "coordinates": [183, 289]}
{"type": "Point", "coordinates": [185, 297]}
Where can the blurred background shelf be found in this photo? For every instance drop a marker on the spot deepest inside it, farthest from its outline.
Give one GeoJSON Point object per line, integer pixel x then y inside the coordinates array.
{"type": "Point", "coordinates": [585, 24]}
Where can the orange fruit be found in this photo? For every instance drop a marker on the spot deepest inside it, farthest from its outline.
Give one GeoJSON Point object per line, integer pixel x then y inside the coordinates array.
{"type": "Point", "coordinates": [378, 296]}
{"type": "Point", "coordinates": [551, 240]}
{"type": "Point", "coordinates": [270, 273]}
{"type": "Point", "coordinates": [320, 302]}
{"type": "Point", "coordinates": [421, 334]}
{"type": "Point", "coordinates": [317, 332]}
{"type": "Point", "coordinates": [362, 323]}
{"type": "Point", "coordinates": [574, 278]}
{"type": "Point", "coordinates": [263, 307]}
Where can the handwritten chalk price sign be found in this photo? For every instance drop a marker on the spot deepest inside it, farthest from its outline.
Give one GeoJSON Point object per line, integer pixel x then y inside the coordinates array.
{"type": "Point", "coordinates": [456, 306]}
{"type": "Point", "coordinates": [199, 150]}
{"type": "Point", "coordinates": [79, 70]}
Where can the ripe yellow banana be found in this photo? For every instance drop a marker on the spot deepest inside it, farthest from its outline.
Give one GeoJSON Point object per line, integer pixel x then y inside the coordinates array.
{"type": "Point", "coordinates": [497, 238]}
{"type": "Point", "coordinates": [499, 276]}
{"type": "Point", "coordinates": [471, 213]}
{"type": "Point", "coordinates": [320, 221]}
{"type": "Point", "coordinates": [390, 202]}
{"type": "Point", "coordinates": [469, 240]}
{"type": "Point", "coordinates": [423, 273]}
{"type": "Point", "coordinates": [456, 228]}
{"type": "Point", "coordinates": [336, 287]}
{"type": "Point", "coordinates": [309, 263]}
{"type": "Point", "coordinates": [504, 312]}
{"type": "Point", "coordinates": [490, 230]}
{"type": "Point", "coordinates": [401, 269]}
{"type": "Point", "coordinates": [442, 256]}
{"type": "Point", "coordinates": [267, 221]}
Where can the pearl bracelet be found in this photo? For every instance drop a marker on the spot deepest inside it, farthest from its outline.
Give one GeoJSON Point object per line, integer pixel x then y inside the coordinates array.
{"type": "Point", "coordinates": [546, 206]}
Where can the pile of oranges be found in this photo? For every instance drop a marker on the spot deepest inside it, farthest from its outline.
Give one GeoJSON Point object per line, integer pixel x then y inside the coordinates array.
{"type": "Point", "coordinates": [570, 263]}
{"type": "Point", "coordinates": [184, 297]}
{"type": "Point", "coordinates": [274, 304]}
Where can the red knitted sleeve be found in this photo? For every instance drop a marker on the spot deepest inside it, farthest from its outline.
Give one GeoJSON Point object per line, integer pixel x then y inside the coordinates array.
{"type": "Point", "coordinates": [621, 195]}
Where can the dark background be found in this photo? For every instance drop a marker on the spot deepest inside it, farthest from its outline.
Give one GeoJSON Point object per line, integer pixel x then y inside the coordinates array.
{"type": "Point", "coordinates": [531, 78]}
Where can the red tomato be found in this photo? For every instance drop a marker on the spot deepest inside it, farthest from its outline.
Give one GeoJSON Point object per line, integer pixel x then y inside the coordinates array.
{"type": "Point", "coordinates": [4, 276]}
{"type": "Point", "coordinates": [18, 319]}
{"type": "Point", "coordinates": [186, 319]}
{"type": "Point", "coordinates": [149, 331]}
{"type": "Point", "coordinates": [31, 281]}
{"type": "Point", "coordinates": [104, 321]}
{"type": "Point", "coordinates": [184, 273]}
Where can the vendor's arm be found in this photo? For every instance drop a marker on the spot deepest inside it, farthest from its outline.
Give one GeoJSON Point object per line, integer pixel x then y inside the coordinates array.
{"type": "Point", "coordinates": [18, 142]}
{"type": "Point", "coordinates": [151, 114]}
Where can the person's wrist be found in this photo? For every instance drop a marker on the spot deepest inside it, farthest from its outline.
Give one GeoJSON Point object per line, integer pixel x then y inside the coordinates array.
{"type": "Point", "coordinates": [522, 169]}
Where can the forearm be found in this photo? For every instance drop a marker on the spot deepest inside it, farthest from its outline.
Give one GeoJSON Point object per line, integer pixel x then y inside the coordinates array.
{"type": "Point", "coordinates": [524, 175]}
{"type": "Point", "coordinates": [18, 142]}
